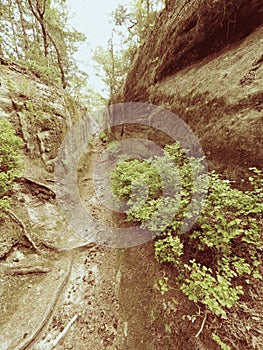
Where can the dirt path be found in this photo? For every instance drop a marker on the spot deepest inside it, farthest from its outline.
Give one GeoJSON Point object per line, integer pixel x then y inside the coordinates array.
{"type": "Point", "coordinates": [88, 307]}
{"type": "Point", "coordinates": [91, 297]}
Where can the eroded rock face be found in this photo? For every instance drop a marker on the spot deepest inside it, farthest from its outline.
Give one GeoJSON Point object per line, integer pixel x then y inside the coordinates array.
{"type": "Point", "coordinates": [203, 61]}
{"type": "Point", "coordinates": [33, 230]}
{"type": "Point", "coordinates": [186, 32]}
{"type": "Point", "coordinates": [40, 112]}
{"type": "Point", "coordinates": [221, 99]}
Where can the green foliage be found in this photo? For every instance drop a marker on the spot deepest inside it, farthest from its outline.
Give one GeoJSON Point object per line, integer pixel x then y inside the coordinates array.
{"type": "Point", "coordinates": [103, 136]}
{"type": "Point", "coordinates": [10, 160]}
{"type": "Point", "coordinates": [127, 188]}
{"type": "Point", "coordinates": [138, 17]}
{"type": "Point", "coordinates": [39, 66]}
{"type": "Point", "coordinates": [168, 249]}
{"type": "Point", "coordinates": [215, 292]}
{"type": "Point", "coordinates": [37, 36]}
{"type": "Point", "coordinates": [132, 22]}
{"type": "Point", "coordinates": [162, 285]}
{"type": "Point", "coordinates": [223, 244]}
{"type": "Point", "coordinates": [111, 66]}
{"type": "Point", "coordinates": [257, 182]}
{"type": "Point", "coordinates": [222, 345]}
{"type": "Point", "coordinates": [141, 184]}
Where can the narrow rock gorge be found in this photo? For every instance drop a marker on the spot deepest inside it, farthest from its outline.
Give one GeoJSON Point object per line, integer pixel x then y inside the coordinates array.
{"type": "Point", "coordinates": [203, 61]}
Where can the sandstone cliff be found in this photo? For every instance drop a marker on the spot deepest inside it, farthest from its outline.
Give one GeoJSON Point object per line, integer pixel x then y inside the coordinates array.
{"type": "Point", "coordinates": [203, 61]}
{"type": "Point", "coordinates": [41, 115]}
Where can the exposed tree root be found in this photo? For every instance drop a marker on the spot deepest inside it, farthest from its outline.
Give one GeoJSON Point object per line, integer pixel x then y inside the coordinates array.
{"type": "Point", "coordinates": [8, 252]}
{"type": "Point", "coordinates": [63, 333]}
{"type": "Point", "coordinates": [42, 242]}
{"type": "Point", "coordinates": [26, 270]}
{"type": "Point", "coordinates": [49, 311]}
{"type": "Point", "coordinates": [26, 234]}
{"type": "Point", "coordinates": [47, 189]}
{"type": "Point", "coordinates": [50, 246]}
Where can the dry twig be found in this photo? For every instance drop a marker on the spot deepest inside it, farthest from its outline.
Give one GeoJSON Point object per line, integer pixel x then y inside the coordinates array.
{"type": "Point", "coordinates": [202, 325]}
{"type": "Point", "coordinates": [61, 335]}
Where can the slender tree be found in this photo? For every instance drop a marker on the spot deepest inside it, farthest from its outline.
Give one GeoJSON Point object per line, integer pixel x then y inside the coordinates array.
{"type": "Point", "coordinates": [39, 13]}
{"type": "Point", "coordinates": [40, 39]}
{"type": "Point", "coordinates": [135, 20]}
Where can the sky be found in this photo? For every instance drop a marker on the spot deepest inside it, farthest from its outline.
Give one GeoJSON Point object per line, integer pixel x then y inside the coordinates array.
{"type": "Point", "coordinates": [92, 17]}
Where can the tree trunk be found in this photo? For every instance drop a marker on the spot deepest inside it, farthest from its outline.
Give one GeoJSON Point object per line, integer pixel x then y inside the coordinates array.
{"type": "Point", "coordinates": [113, 83]}
{"type": "Point", "coordinates": [20, 9]}
{"type": "Point", "coordinates": [39, 15]}
{"type": "Point", "coordinates": [11, 18]}
{"type": "Point", "coordinates": [60, 63]}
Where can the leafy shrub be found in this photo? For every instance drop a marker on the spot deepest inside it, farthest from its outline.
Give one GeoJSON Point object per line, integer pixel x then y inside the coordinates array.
{"type": "Point", "coordinates": [127, 187]}
{"type": "Point", "coordinates": [169, 249]}
{"type": "Point", "coordinates": [103, 136]}
{"type": "Point", "coordinates": [155, 189]}
{"type": "Point", "coordinates": [10, 159]}
{"type": "Point", "coordinates": [221, 246]}
{"type": "Point", "coordinates": [162, 285]}
{"type": "Point", "coordinates": [214, 291]}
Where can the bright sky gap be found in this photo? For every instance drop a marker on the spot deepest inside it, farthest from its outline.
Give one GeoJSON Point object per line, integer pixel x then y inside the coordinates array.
{"type": "Point", "coordinates": [93, 19]}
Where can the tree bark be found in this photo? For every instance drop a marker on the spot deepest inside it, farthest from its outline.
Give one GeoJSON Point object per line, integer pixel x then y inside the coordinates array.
{"type": "Point", "coordinates": [20, 9]}
{"type": "Point", "coordinates": [60, 63]}
{"type": "Point", "coordinates": [112, 73]}
{"type": "Point", "coordinates": [39, 14]}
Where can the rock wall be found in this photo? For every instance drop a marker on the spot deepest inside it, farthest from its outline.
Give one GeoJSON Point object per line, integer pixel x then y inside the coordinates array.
{"type": "Point", "coordinates": [41, 114]}
{"type": "Point", "coordinates": [203, 61]}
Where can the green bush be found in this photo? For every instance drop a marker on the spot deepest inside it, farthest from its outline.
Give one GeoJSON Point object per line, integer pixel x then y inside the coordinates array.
{"type": "Point", "coordinates": [154, 188]}
{"type": "Point", "coordinates": [223, 244]}
{"type": "Point", "coordinates": [200, 285]}
{"type": "Point", "coordinates": [103, 136]}
{"type": "Point", "coordinates": [10, 160]}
